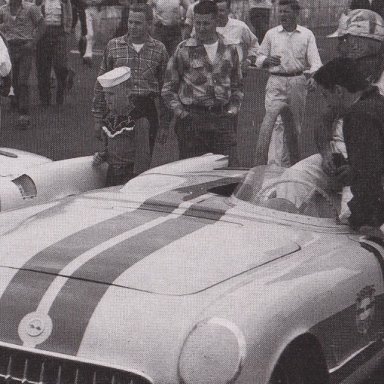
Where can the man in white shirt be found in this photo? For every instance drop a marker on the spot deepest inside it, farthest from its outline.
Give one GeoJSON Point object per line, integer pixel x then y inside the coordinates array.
{"type": "Point", "coordinates": [259, 15]}
{"type": "Point", "coordinates": [289, 52]}
{"type": "Point", "coordinates": [167, 21]}
{"type": "Point", "coordinates": [237, 32]}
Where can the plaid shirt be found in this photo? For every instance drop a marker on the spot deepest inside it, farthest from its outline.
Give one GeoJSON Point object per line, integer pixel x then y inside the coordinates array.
{"type": "Point", "coordinates": [147, 68]}
{"type": "Point", "coordinates": [191, 79]}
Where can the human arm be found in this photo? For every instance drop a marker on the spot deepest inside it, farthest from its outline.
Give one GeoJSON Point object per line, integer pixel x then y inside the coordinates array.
{"type": "Point", "coordinates": [251, 43]}
{"type": "Point", "coordinates": [323, 136]}
{"type": "Point", "coordinates": [99, 107]}
{"type": "Point", "coordinates": [264, 58]}
{"type": "Point", "coordinates": [172, 83]}
{"type": "Point", "coordinates": [5, 61]}
{"type": "Point", "coordinates": [237, 93]}
{"type": "Point", "coordinates": [363, 135]}
{"type": "Point", "coordinates": [38, 21]}
{"type": "Point", "coordinates": [313, 56]}
{"type": "Point", "coordinates": [162, 67]}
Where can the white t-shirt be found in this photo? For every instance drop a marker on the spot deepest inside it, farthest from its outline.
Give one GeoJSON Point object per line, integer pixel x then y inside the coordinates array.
{"type": "Point", "coordinates": [138, 47]}
{"type": "Point", "coordinates": [211, 50]}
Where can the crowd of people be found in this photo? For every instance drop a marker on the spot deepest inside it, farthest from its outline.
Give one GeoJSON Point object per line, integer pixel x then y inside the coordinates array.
{"type": "Point", "coordinates": [191, 59]}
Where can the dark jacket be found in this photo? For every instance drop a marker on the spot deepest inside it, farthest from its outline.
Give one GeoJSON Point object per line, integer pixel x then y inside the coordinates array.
{"type": "Point", "coordinates": [377, 5]}
{"type": "Point", "coordinates": [364, 137]}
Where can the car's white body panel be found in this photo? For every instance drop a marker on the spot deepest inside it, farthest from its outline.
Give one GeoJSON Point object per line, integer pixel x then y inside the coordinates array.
{"type": "Point", "coordinates": [28, 179]}
{"type": "Point", "coordinates": [125, 276]}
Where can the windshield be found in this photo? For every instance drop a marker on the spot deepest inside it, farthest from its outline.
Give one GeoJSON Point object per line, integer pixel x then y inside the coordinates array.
{"type": "Point", "coordinates": [287, 190]}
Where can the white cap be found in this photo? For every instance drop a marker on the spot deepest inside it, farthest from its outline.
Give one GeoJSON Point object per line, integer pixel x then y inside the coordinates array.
{"type": "Point", "coordinates": [114, 77]}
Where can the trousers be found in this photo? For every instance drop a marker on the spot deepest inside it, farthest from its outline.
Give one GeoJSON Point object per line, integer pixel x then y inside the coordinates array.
{"type": "Point", "coordinates": [285, 96]}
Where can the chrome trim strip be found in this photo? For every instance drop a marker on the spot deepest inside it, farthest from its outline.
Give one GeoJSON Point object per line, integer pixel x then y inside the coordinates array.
{"type": "Point", "coordinates": [75, 359]}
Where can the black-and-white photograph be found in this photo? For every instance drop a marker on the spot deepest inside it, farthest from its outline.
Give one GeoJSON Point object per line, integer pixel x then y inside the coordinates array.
{"type": "Point", "coordinates": [191, 191]}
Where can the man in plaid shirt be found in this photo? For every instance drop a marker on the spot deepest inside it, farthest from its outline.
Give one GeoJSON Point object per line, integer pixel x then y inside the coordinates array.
{"type": "Point", "coordinates": [203, 88]}
{"type": "Point", "coordinates": [146, 57]}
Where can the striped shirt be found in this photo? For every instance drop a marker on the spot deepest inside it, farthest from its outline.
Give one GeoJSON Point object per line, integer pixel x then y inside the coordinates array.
{"type": "Point", "coordinates": [191, 79]}
{"type": "Point", "coordinates": [23, 25]}
{"type": "Point", "coordinates": [147, 68]}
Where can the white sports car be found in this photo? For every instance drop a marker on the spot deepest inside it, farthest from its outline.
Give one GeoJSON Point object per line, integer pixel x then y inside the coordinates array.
{"type": "Point", "coordinates": [27, 178]}
{"type": "Point", "coordinates": [193, 277]}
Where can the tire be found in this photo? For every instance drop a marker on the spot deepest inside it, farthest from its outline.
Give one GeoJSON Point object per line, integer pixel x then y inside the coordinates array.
{"type": "Point", "coordinates": [300, 364]}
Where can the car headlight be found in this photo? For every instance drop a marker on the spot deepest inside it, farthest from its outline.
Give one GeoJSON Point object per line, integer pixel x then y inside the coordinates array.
{"type": "Point", "coordinates": [213, 353]}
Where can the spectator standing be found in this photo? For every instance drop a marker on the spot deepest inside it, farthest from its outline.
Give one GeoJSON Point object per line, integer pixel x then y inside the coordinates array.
{"type": "Point", "coordinates": [22, 24]}
{"type": "Point", "coordinates": [203, 88]}
{"type": "Point", "coordinates": [288, 51]}
{"type": "Point", "coordinates": [237, 32]}
{"type": "Point", "coordinates": [146, 57]}
{"type": "Point", "coordinates": [52, 50]}
{"type": "Point", "coordinates": [168, 21]}
{"type": "Point", "coordinates": [373, 5]}
{"type": "Point", "coordinates": [259, 16]}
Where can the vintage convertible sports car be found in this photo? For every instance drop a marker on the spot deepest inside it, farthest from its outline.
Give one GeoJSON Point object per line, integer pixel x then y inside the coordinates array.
{"type": "Point", "coordinates": [27, 178]}
{"type": "Point", "coordinates": [193, 277]}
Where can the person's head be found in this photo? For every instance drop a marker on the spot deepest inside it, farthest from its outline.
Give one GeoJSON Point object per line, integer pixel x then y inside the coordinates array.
{"type": "Point", "coordinates": [139, 22]}
{"type": "Point", "coordinates": [224, 8]}
{"type": "Point", "coordinates": [340, 81]}
{"type": "Point", "coordinates": [15, 3]}
{"type": "Point", "coordinates": [360, 34]}
{"type": "Point", "coordinates": [117, 87]}
{"type": "Point", "coordinates": [289, 11]}
{"type": "Point", "coordinates": [205, 21]}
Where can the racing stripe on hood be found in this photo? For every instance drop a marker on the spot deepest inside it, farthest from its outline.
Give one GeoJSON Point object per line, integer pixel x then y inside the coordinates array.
{"type": "Point", "coordinates": [73, 307]}
{"type": "Point", "coordinates": [28, 294]}
{"type": "Point", "coordinates": [25, 291]}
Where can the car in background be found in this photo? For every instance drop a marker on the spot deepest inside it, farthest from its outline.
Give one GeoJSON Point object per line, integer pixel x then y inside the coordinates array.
{"type": "Point", "coordinates": [27, 178]}
{"type": "Point", "coordinates": [191, 273]}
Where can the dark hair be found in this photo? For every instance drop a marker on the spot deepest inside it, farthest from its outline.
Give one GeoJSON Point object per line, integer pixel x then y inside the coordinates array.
{"type": "Point", "coordinates": [144, 8]}
{"type": "Point", "coordinates": [343, 72]}
{"type": "Point", "coordinates": [294, 4]}
{"type": "Point", "coordinates": [222, 1]}
{"type": "Point", "coordinates": [206, 8]}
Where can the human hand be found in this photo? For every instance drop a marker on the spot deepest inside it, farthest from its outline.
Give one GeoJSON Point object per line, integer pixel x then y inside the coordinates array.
{"type": "Point", "coordinates": [311, 84]}
{"type": "Point", "coordinates": [328, 164]}
{"type": "Point", "coordinates": [233, 111]}
{"type": "Point", "coordinates": [162, 136]}
{"type": "Point", "coordinates": [98, 132]}
{"type": "Point", "coordinates": [343, 175]}
{"type": "Point", "coordinates": [272, 61]}
{"type": "Point", "coordinates": [98, 159]}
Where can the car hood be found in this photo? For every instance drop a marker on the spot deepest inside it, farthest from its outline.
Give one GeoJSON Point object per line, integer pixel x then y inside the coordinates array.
{"type": "Point", "coordinates": [162, 248]}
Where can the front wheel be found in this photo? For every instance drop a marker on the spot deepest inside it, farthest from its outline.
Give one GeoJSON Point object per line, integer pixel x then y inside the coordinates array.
{"type": "Point", "coordinates": [301, 363]}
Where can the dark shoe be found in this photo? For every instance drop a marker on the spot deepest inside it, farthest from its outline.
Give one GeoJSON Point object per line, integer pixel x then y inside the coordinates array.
{"type": "Point", "coordinates": [69, 80]}
{"type": "Point", "coordinates": [24, 122]}
{"type": "Point", "coordinates": [87, 61]}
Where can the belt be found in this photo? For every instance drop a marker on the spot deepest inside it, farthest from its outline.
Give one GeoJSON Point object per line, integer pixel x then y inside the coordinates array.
{"type": "Point", "coordinates": [293, 74]}
{"type": "Point", "coordinates": [206, 109]}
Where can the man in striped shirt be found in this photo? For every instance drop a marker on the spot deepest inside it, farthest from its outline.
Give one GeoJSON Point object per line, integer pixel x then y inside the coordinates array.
{"type": "Point", "coordinates": [146, 57]}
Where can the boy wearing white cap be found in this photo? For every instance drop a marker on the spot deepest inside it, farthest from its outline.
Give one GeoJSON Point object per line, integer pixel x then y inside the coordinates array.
{"type": "Point", "coordinates": [122, 126]}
